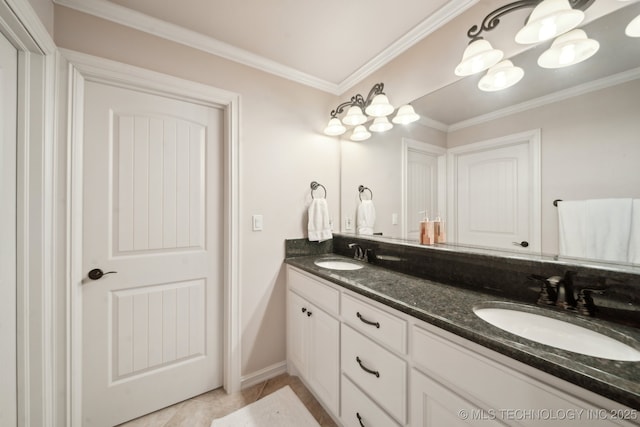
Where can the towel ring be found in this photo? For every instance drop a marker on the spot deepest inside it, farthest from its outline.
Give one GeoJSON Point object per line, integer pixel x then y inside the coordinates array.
{"type": "Point", "coordinates": [361, 189]}
{"type": "Point", "coordinates": [555, 202]}
{"type": "Point", "coordinates": [314, 186]}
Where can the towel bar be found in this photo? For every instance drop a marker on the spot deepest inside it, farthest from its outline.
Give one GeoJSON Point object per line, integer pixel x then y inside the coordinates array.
{"type": "Point", "coordinates": [314, 186]}
{"type": "Point", "coordinates": [361, 189]}
{"type": "Point", "coordinates": [555, 202]}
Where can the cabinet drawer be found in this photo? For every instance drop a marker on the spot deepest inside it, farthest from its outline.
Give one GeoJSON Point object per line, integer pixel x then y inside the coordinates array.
{"type": "Point", "coordinates": [314, 291]}
{"type": "Point", "coordinates": [358, 410]}
{"type": "Point", "coordinates": [375, 323]}
{"type": "Point", "coordinates": [378, 372]}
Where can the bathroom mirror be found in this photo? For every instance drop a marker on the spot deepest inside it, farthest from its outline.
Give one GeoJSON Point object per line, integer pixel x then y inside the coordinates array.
{"type": "Point", "coordinates": [588, 116]}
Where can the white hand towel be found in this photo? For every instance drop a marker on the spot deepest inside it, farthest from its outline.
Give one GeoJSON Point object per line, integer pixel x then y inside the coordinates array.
{"type": "Point", "coordinates": [634, 239]}
{"type": "Point", "coordinates": [595, 229]}
{"type": "Point", "coordinates": [366, 217]}
{"type": "Point", "coordinates": [608, 229]}
{"type": "Point", "coordinates": [319, 226]}
{"type": "Point", "coordinates": [571, 222]}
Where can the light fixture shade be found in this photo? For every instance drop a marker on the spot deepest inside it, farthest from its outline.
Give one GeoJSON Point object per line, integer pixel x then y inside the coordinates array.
{"type": "Point", "coordinates": [633, 29]}
{"type": "Point", "coordinates": [379, 106]}
{"type": "Point", "coordinates": [549, 19]}
{"type": "Point", "coordinates": [406, 114]}
{"type": "Point", "coordinates": [354, 116]}
{"type": "Point", "coordinates": [380, 124]}
{"type": "Point", "coordinates": [360, 133]}
{"type": "Point", "coordinates": [501, 76]}
{"type": "Point", "coordinates": [335, 128]}
{"type": "Point", "coordinates": [478, 56]}
{"type": "Point", "coordinates": [568, 49]}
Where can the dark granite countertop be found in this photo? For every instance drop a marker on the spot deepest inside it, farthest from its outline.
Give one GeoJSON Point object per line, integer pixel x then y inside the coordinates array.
{"type": "Point", "coordinates": [451, 308]}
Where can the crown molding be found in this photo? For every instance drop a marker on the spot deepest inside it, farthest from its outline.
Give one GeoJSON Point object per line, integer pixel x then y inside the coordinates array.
{"type": "Point", "coordinates": [582, 89]}
{"type": "Point", "coordinates": [443, 15]}
{"type": "Point", "coordinates": [141, 22]}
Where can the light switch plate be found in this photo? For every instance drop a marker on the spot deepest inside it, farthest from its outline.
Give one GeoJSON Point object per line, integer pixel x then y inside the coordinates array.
{"type": "Point", "coordinates": [257, 222]}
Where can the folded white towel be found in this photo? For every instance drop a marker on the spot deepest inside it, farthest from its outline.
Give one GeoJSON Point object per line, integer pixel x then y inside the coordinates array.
{"type": "Point", "coordinates": [319, 225]}
{"type": "Point", "coordinates": [609, 226]}
{"type": "Point", "coordinates": [366, 217]}
{"type": "Point", "coordinates": [634, 239]}
{"type": "Point", "coordinates": [595, 229]}
{"type": "Point", "coordinates": [571, 223]}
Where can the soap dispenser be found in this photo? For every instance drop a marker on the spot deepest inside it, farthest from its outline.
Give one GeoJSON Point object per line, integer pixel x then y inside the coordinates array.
{"type": "Point", "coordinates": [426, 230]}
{"type": "Point", "coordinates": [439, 235]}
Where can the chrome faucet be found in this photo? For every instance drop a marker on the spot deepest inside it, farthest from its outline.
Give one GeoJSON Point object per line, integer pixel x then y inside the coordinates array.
{"type": "Point", "coordinates": [360, 254]}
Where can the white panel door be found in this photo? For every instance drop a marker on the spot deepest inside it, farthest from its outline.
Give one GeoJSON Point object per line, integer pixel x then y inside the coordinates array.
{"type": "Point", "coordinates": [496, 195]}
{"type": "Point", "coordinates": [152, 215]}
{"type": "Point", "coordinates": [8, 106]}
{"type": "Point", "coordinates": [422, 189]}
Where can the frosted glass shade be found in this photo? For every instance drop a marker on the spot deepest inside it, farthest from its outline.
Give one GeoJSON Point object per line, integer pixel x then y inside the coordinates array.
{"type": "Point", "coordinates": [360, 133]}
{"type": "Point", "coordinates": [549, 19]}
{"type": "Point", "coordinates": [568, 49]}
{"type": "Point", "coordinates": [478, 56]}
{"type": "Point", "coordinates": [379, 107]}
{"type": "Point", "coordinates": [633, 29]}
{"type": "Point", "coordinates": [354, 116]}
{"type": "Point", "coordinates": [380, 124]}
{"type": "Point", "coordinates": [501, 76]}
{"type": "Point", "coordinates": [406, 114]}
{"type": "Point", "coordinates": [335, 128]}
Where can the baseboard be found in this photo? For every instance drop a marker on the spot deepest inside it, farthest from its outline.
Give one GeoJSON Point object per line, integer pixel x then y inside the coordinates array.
{"type": "Point", "coordinates": [263, 374]}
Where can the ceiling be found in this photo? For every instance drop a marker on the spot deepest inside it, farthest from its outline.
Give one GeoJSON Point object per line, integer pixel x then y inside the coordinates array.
{"type": "Point", "coordinates": [330, 45]}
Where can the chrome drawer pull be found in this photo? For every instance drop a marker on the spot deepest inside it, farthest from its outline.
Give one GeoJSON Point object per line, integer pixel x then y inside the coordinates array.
{"type": "Point", "coordinates": [367, 370]}
{"type": "Point", "coordinates": [360, 419]}
{"type": "Point", "coordinates": [368, 322]}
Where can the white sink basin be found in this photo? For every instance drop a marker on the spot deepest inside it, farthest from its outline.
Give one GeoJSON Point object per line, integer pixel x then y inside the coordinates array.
{"type": "Point", "coordinates": [338, 264]}
{"type": "Point", "coordinates": [557, 333]}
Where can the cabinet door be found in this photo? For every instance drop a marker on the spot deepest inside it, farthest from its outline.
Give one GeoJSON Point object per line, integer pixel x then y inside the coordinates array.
{"type": "Point", "coordinates": [297, 327]}
{"type": "Point", "coordinates": [433, 405]}
{"type": "Point", "coordinates": [324, 357]}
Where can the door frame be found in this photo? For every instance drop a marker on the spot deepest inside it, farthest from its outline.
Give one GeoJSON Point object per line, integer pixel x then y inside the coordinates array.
{"type": "Point", "coordinates": [37, 265]}
{"type": "Point", "coordinates": [533, 139]}
{"type": "Point", "coordinates": [83, 68]}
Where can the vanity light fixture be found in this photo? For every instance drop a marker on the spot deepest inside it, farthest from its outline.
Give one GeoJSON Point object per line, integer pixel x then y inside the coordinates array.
{"type": "Point", "coordinates": [501, 76]}
{"type": "Point", "coordinates": [568, 49]}
{"type": "Point", "coordinates": [376, 105]}
{"type": "Point", "coordinates": [633, 29]}
{"type": "Point", "coordinates": [548, 19]}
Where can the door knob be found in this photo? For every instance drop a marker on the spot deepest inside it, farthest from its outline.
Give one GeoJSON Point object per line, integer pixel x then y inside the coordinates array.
{"type": "Point", "coordinates": [524, 243]}
{"type": "Point", "coordinates": [96, 273]}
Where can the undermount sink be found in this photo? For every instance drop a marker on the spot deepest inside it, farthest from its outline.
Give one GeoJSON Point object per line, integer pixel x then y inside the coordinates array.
{"type": "Point", "coordinates": [556, 333]}
{"type": "Point", "coordinates": [338, 264]}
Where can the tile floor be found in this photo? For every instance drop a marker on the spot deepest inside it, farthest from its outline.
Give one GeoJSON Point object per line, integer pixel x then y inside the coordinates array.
{"type": "Point", "coordinates": [201, 410]}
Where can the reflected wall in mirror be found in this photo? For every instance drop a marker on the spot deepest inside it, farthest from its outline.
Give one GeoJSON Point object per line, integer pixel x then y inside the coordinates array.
{"type": "Point", "coordinates": [587, 115]}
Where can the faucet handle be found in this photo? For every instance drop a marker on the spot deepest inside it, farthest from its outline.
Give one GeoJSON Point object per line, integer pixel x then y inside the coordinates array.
{"type": "Point", "coordinates": [548, 293]}
{"type": "Point", "coordinates": [585, 304]}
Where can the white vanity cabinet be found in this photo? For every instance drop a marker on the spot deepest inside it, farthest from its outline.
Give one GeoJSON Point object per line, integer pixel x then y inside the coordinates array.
{"type": "Point", "coordinates": [454, 384]}
{"type": "Point", "coordinates": [374, 366]}
{"type": "Point", "coordinates": [313, 336]}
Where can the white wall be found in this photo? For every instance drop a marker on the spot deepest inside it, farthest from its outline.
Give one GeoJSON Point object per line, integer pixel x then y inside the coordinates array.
{"type": "Point", "coordinates": [282, 149]}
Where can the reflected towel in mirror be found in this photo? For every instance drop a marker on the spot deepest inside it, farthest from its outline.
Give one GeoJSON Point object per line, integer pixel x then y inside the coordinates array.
{"type": "Point", "coordinates": [319, 225]}
{"type": "Point", "coordinates": [366, 217]}
{"type": "Point", "coordinates": [595, 229]}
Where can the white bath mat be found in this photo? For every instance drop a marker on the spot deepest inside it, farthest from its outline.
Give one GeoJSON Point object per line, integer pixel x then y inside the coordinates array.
{"type": "Point", "coordinates": [279, 409]}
